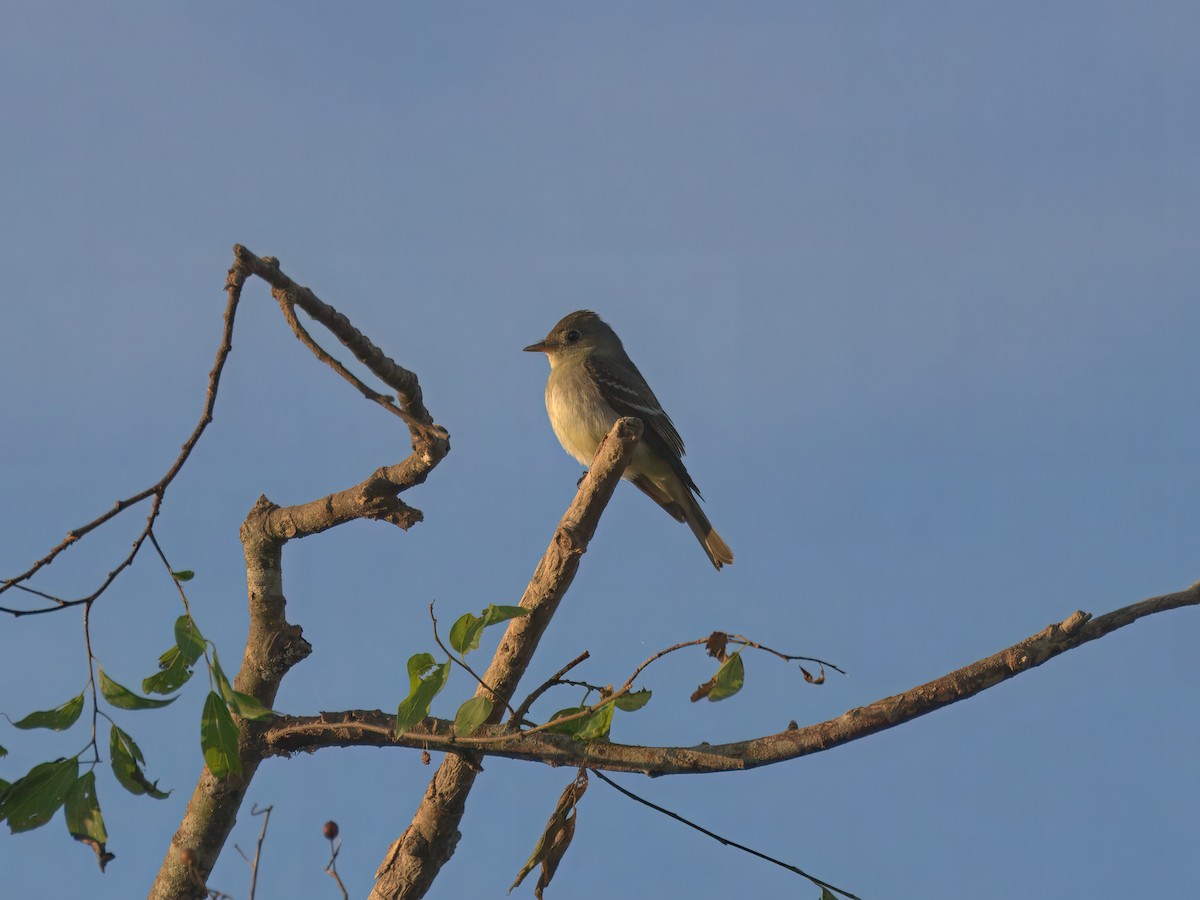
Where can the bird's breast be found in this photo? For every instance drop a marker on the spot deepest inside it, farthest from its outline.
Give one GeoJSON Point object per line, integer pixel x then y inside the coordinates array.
{"type": "Point", "coordinates": [578, 414]}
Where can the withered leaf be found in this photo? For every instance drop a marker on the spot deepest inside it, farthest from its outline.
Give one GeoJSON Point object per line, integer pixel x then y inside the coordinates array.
{"type": "Point", "coordinates": [102, 855]}
{"type": "Point", "coordinates": [556, 837]}
{"type": "Point", "coordinates": [715, 647]}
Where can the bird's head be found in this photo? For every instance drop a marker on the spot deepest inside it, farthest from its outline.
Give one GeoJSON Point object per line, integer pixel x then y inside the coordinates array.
{"type": "Point", "coordinates": [580, 332]}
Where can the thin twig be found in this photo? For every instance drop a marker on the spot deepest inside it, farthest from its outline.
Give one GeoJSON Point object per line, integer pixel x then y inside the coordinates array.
{"type": "Point", "coordinates": [287, 303]}
{"type": "Point", "coordinates": [158, 490]}
{"type": "Point", "coordinates": [786, 657]}
{"type": "Point", "coordinates": [557, 678]}
{"type": "Point", "coordinates": [331, 869]}
{"type": "Point", "coordinates": [587, 685]}
{"type": "Point", "coordinates": [726, 841]}
{"type": "Point", "coordinates": [266, 814]}
{"type": "Point", "coordinates": [178, 586]}
{"type": "Point", "coordinates": [595, 707]}
{"type": "Point", "coordinates": [91, 664]}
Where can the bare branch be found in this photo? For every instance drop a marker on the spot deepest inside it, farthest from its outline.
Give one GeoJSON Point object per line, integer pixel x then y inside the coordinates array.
{"type": "Point", "coordinates": [786, 657]}
{"type": "Point", "coordinates": [262, 835]}
{"type": "Point", "coordinates": [518, 717]}
{"type": "Point", "coordinates": [335, 847]}
{"type": "Point", "coordinates": [233, 286]}
{"type": "Point", "coordinates": [287, 292]}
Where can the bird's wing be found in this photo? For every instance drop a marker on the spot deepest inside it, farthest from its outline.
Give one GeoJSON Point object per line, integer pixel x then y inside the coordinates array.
{"type": "Point", "coordinates": [636, 399]}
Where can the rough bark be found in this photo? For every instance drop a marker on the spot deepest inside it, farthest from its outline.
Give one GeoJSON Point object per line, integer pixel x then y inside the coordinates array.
{"type": "Point", "coordinates": [272, 648]}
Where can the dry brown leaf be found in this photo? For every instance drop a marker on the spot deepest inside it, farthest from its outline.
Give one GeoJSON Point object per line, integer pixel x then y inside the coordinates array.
{"type": "Point", "coordinates": [556, 837]}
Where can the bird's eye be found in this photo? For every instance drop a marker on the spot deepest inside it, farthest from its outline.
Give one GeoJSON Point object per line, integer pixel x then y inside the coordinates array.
{"type": "Point", "coordinates": [572, 336]}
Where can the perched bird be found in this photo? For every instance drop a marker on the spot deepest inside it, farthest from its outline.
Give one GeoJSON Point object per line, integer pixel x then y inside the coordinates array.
{"type": "Point", "coordinates": [592, 384]}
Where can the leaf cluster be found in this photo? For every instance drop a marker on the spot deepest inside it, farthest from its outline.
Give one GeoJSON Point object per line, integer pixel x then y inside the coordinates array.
{"type": "Point", "coordinates": [427, 677]}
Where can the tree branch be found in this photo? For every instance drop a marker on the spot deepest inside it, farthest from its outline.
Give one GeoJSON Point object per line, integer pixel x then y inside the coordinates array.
{"type": "Point", "coordinates": [395, 376]}
{"type": "Point", "coordinates": [233, 287]}
{"type": "Point", "coordinates": [518, 717]}
{"type": "Point", "coordinates": [415, 858]}
{"type": "Point", "coordinates": [291, 734]}
{"type": "Point", "coordinates": [274, 645]}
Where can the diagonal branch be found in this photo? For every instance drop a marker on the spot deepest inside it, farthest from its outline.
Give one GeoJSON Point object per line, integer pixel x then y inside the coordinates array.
{"type": "Point", "coordinates": [416, 857]}
{"type": "Point", "coordinates": [293, 734]}
{"type": "Point", "coordinates": [288, 293]}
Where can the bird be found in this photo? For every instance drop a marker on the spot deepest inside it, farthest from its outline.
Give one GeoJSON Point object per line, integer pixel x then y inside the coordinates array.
{"type": "Point", "coordinates": [592, 383]}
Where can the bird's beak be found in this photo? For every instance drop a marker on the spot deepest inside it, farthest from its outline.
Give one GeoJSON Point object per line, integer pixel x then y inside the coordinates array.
{"type": "Point", "coordinates": [539, 347]}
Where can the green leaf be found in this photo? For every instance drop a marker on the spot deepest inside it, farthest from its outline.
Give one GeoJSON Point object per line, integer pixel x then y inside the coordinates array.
{"type": "Point", "coordinates": [495, 614]}
{"type": "Point", "coordinates": [188, 639]}
{"type": "Point", "coordinates": [58, 719]}
{"type": "Point", "coordinates": [123, 698]}
{"type": "Point", "coordinates": [125, 756]}
{"type": "Point", "coordinates": [419, 665]}
{"type": "Point", "coordinates": [183, 575]}
{"type": "Point", "coordinates": [571, 727]}
{"type": "Point", "coordinates": [471, 715]}
{"type": "Point", "coordinates": [427, 683]}
{"type": "Point", "coordinates": [175, 671]}
{"type": "Point", "coordinates": [4, 786]}
{"type": "Point", "coordinates": [84, 821]}
{"type": "Point", "coordinates": [3, 752]}
{"type": "Point", "coordinates": [219, 737]}
{"type": "Point", "coordinates": [83, 810]}
{"type": "Point", "coordinates": [219, 674]}
{"type": "Point", "coordinates": [241, 704]}
{"type": "Point", "coordinates": [249, 708]}
{"type": "Point", "coordinates": [825, 895]}
{"type": "Point", "coordinates": [464, 633]}
{"type": "Point", "coordinates": [729, 678]}
{"type": "Point", "coordinates": [32, 801]}
{"type": "Point", "coordinates": [633, 701]}
{"type": "Point", "coordinates": [499, 612]}
{"type": "Point", "coordinates": [597, 725]}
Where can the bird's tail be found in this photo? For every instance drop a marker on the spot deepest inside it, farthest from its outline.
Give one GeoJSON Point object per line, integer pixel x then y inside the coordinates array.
{"type": "Point", "coordinates": [714, 545]}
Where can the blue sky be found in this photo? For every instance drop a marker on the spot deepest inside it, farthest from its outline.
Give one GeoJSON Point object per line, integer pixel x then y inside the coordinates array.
{"type": "Point", "coordinates": [916, 282]}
